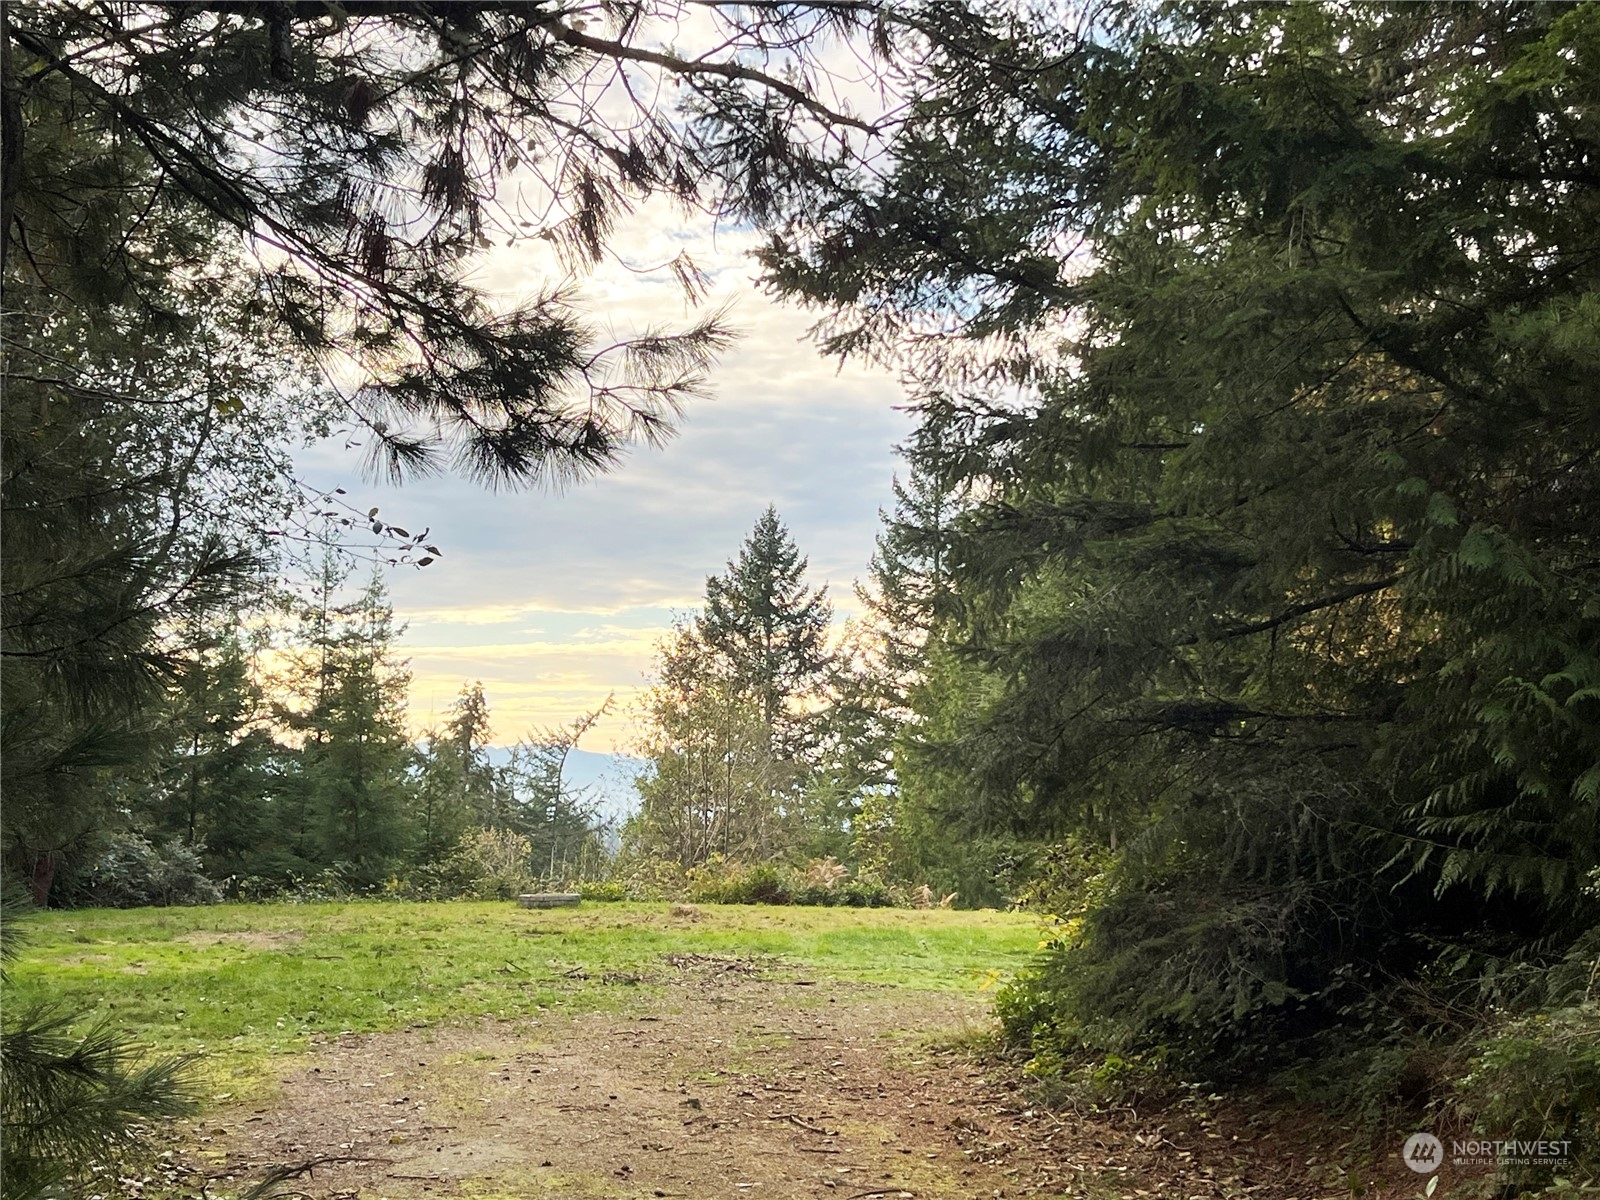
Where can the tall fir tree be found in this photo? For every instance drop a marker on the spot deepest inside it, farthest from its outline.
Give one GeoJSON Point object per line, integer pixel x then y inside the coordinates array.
{"type": "Point", "coordinates": [734, 723]}
{"type": "Point", "coordinates": [217, 788]}
{"type": "Point", "coordinates": [358, 765]}
{"type": "Point", "coordinates": [349, 803]}
{"type": "Point", "coordinates": [458, 787]}
{"type": "Point", "coordinates": [712, 785]}
{"type": "Point", "coordinates": [768, 631]}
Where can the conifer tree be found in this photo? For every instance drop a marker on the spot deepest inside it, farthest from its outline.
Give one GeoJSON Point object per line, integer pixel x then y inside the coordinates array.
{"type": "Point", "coordinates": [217, 787]}
{"type": "Point", "coordinates": [458, 773]}
{"type": "Point", "coordinates": [561, 822]}
{"type": "Point", "coordinates": [712, 785]}
{"type": "Point", "coordinates": [734, 723]}
{"type": "Point", "coordinates": [366, 150]}
{"type": "Point", "coordinates": [348, 801]}
{"type": "Point", "coordinates": [1260, 337]}
{"type": "Point", "coordinates": [768, 631]}
{"type": "Point", "coordinates": [358, 762]}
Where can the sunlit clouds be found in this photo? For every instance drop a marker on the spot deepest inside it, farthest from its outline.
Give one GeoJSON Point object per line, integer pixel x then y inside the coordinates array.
{"type": "Point", "coordinates": [556, 600]}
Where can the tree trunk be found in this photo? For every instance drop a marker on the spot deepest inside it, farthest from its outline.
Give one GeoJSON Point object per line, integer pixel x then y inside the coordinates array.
{"type": "Point", "coordinates": [44, 874]}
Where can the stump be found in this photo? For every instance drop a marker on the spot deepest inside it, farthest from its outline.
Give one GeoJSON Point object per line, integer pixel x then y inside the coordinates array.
{"type": "Point", "coordinates": [549, 899]}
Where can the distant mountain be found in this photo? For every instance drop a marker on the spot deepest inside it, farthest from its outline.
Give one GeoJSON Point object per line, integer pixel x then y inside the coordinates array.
{"type": "Point", "coordinates": [609, 778]}
{"type": "Point", "coordinates": [605, 778]}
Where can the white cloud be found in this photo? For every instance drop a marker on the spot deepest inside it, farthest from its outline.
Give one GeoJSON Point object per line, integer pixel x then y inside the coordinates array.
{"type": "Point", "coordinates": [555, 600]}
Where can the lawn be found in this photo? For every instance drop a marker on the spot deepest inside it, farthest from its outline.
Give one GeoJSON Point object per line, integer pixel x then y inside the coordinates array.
{"type": "Point", "coordinates": [242, 983]}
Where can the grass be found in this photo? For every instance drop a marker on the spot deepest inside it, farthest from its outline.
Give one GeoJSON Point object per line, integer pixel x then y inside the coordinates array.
{"type": "Point", "coordinates": [243, 983]}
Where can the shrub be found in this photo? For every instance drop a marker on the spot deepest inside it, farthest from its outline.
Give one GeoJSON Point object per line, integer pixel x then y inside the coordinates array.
{"type": "Point", "coordinates": [1538, 1077]}
{"type": "Point", "coordinates": [764, 883]}
{"type": "Point", "coordinates": [773, 883]}
{"type": "Point", "coordinates": [490, 864]}
{"type": "Point", "coordinates": [132, 872]}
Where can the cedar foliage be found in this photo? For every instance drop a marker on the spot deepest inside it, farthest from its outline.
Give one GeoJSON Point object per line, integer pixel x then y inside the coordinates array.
{"type": "Point", "coordinates": [1263, 336]}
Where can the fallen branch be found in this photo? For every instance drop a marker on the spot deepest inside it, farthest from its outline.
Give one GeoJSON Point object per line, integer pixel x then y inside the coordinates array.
{"type": "Point", "coordinates": [807, 1125]}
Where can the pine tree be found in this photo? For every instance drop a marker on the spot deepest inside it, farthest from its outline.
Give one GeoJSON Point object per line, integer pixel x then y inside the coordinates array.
{"type": "Point", "coordinates": [561, 823]}
{"type": "Point", "coordinates": [71, 1100]}
{"type": "Point", "coordinates": [713, 785]}
{"type": "Point", "coordinates": [350, 800]}
{"type": "Point", "coordinates": [459, 763]}
{"type": "Point", "coordinates": [359, 763]}
{"type": "Point", "coordinates": [375, 147]}
{"type": "Point", "coordinates": [734, 723]}
{"type": "Point", "coordinates": [104, 568]}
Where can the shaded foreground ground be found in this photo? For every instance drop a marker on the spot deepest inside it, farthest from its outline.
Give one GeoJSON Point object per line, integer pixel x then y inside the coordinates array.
{"type": "Point", "coordinates": [735, 1077]}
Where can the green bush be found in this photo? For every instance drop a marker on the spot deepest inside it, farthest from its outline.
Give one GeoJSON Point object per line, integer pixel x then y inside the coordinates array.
{"type": "Point", "coordinates": [1538, 1077]}
{"type": "Point", "coordinates": [764, 883]}
{"type": "Point", "coordinates": [133, 872]}
{"type": "Point", "coordinates": [609, 890]}
{"type": "Point", "coordinates": [773, 883]}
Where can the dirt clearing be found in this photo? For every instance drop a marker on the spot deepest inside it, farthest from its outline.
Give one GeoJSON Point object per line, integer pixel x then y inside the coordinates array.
{"type": "Point", "coordinates": [729, 1078]}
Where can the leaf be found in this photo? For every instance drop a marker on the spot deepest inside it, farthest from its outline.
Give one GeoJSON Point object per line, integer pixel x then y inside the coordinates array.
{"type": "Point", "coordinates": [422, 562]}
{"type": "Point", "coordinates": [373, 511]}
{"type": "Point", "coordinates": [1476, 549]}
{"type": "Point", "coordinates": [398, 532]}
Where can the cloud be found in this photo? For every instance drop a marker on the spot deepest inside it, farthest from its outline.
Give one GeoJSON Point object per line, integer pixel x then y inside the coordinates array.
{"type": "Point", "coordinates": [555, 600]}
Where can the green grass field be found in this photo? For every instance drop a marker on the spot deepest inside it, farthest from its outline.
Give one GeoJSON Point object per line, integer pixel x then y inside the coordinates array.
{"type": "Point", "coordinates": [242, 983]}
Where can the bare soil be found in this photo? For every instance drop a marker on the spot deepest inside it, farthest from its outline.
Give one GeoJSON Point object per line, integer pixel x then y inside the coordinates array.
{"type": "Point", "coordinates": [737, 1079]}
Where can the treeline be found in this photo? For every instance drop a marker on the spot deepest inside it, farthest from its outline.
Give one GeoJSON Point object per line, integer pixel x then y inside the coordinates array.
{"type": "Point", "coordinates": [774, 740]}
{"type": "Point", "coordinates": [283, 762]}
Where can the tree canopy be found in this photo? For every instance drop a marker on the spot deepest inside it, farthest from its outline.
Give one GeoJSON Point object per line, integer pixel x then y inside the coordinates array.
{"type": "Point", "coordinates": [1261, 336]}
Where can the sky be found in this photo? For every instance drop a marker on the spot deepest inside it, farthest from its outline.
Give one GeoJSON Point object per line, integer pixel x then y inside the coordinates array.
{"type": "Point", "coordinates": [556, 600]}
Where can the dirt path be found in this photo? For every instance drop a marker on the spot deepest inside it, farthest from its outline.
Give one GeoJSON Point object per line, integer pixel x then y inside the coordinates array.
{"type": "Point", "coordinates": [734, 1080]}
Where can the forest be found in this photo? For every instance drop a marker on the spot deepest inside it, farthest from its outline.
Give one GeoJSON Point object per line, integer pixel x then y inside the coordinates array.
{"type": "Point", "coordinates": [1238, 612]}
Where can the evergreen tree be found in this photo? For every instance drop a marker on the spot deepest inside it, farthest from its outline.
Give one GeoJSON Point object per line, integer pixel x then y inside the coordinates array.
{"type": "Point", "coordinates": [358, 760]}
{"type": "Point", "coordinates": [216, 789]}
{"type": "Point", "coordinates": [349, 799]}
{"type": "Point", "coordinates": [713, 785]}
{"type": "Point", "coordinates": [442, 815]}
{"type": "Point", "coordinates": [1260, 336]}
{"type": "Point", "coordinates": [367, 150]}
{"type": "Point", "coordinates": [70, 1101]}
{"type": "Point", "coordinates": [458, 787]}
{"type": "Point", "coordinates": [561, 823]}
{"type": "Point", "coordinates": [768, 631]}
{"type": "Point", "coordinates": [734, 723]}
{"type": "Point", "coordinates": [114, 520]}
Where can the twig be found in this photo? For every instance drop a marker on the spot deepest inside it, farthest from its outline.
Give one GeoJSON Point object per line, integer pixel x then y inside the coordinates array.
{"type": "Point", "coordinates": [804, 1124]}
